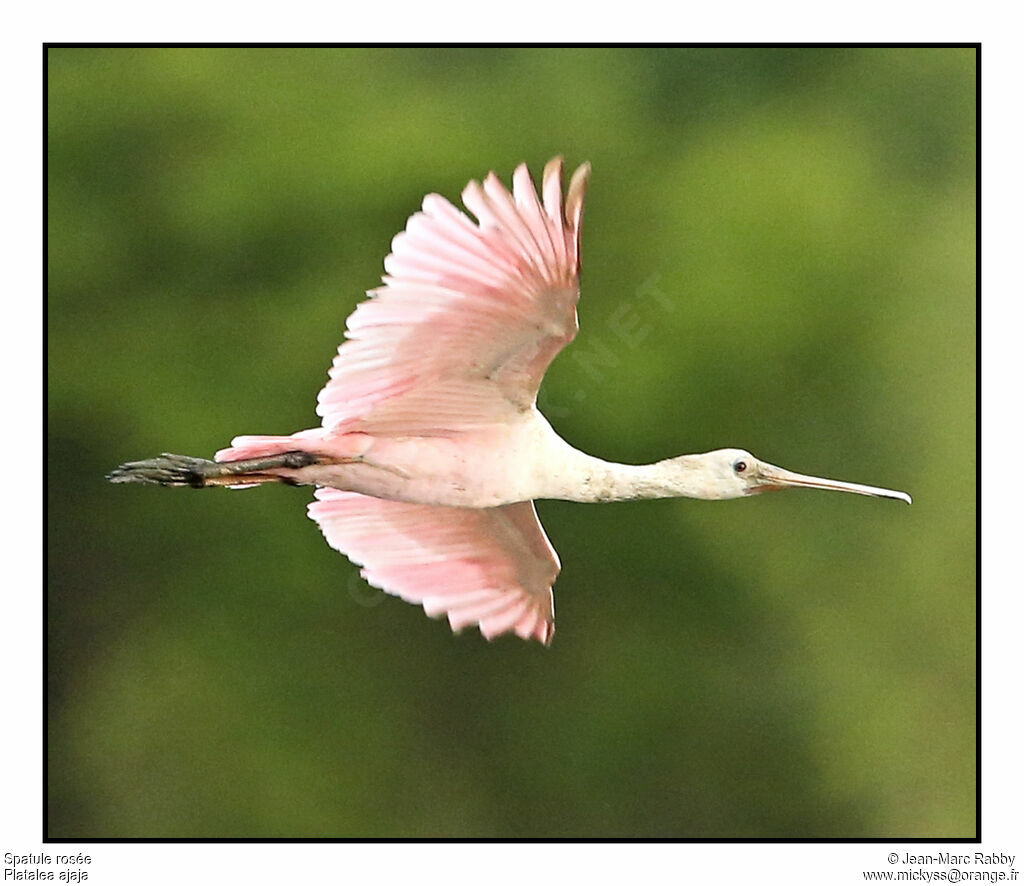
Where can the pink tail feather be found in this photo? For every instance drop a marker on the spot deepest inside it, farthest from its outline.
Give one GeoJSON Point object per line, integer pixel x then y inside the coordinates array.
{"type": "Point", "coordinates": [259, 445]}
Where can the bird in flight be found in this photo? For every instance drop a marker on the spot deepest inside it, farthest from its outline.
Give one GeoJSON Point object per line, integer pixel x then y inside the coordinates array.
{"type": "Point", "coordinates": [431, 450]}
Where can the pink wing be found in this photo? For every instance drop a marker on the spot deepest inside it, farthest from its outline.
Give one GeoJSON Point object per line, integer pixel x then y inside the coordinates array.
{"type": "Point", "coordinates": [490, 566]}
{"type": "Point", "coordinates": [469, 316]}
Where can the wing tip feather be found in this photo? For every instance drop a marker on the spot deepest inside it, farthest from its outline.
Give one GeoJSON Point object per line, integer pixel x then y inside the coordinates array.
{"type": "Point", "coordinates": [576, 195]}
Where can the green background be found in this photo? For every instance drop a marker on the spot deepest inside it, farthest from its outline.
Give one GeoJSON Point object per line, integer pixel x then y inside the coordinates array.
{"type": "Point", "coordinates": [779, 254]}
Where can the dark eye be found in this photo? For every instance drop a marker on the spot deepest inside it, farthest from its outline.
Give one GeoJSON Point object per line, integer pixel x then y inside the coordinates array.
{"type": "Point", "coordinates": [739, 466]}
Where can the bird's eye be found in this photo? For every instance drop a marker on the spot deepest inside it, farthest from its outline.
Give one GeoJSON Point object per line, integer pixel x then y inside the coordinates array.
{"type": "Point", "coordinates": [739, 466]}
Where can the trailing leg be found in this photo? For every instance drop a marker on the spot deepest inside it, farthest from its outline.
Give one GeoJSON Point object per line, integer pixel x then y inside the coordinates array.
{"type": "Point", "coordinates": [184, 470]}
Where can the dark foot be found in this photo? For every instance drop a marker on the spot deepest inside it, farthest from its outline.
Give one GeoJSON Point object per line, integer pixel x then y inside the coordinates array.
{"type": "Point", "coordinates": [184, 470]}
{"type": "Point", "coordinates": [168, 470]}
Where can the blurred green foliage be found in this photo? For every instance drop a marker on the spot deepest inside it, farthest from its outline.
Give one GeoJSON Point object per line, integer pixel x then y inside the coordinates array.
{"type": "Point", "coordinates": [779, 254]}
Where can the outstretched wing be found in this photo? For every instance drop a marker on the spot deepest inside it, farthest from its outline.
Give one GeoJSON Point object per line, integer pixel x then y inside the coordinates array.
{"type": "Point", "coordinates": [491, 566]}
{"type": "Point", "coordinates": [469, 316]}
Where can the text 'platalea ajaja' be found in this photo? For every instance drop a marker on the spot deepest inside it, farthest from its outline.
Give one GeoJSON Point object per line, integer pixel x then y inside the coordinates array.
{"type": "Point", "coordinates": [432, 450]}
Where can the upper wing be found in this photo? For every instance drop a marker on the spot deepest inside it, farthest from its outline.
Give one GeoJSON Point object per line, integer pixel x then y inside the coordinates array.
{"type": "Point", "coordinates": [490, 566]}
{"type": "Point", "coordinates": [469, 316]}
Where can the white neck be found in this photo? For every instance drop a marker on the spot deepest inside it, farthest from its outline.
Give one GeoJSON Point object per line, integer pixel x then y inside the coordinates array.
{"type": "Point", "coordinates": [563, 472]}
{"type": "Point", "coordinates": [581, 477]}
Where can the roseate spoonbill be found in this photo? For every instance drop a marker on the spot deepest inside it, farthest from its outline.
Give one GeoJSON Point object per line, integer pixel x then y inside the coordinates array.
{"type": "Point", "coordinates": [432, 450]}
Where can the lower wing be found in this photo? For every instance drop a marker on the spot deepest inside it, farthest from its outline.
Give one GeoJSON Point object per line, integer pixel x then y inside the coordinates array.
{"type": "Point", "coordinates": [493, 567]}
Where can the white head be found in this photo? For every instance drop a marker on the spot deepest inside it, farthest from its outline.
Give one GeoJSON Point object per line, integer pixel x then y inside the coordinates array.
{"type": "Point", "coordinates": [732, 473]}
